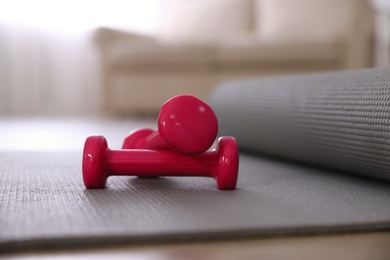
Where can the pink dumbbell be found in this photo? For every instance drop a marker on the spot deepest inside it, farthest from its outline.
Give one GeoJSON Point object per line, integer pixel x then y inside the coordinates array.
{"type": "Point", "coordinates": [100, 162]}
{"type": "Point", "coordinates": [186, 125]}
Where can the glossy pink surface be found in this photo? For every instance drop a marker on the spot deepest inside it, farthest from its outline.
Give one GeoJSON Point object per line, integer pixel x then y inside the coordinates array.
{"type": "Point", "coordinates": [100, 162]}
{"type": "Point", "coordinates": [186, 125]}
{"type": "Point", "coordinates": [137, 139]}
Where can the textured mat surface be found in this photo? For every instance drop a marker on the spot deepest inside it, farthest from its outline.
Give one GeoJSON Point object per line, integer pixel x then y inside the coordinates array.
{"type": "Point", "coordinates": [339, 120]}
{"type": "Point", "coordinates": [43, 203]}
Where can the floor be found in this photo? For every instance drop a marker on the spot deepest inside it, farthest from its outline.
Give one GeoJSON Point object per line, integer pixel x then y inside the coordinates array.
{"type": "Point", "coordinates": [64, 134]}
{"type": "Point", "coordinates": [375, 246]}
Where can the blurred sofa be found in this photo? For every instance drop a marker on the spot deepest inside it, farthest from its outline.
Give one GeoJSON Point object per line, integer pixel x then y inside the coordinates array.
{"type": "Point", "coordinates": [200, 43]}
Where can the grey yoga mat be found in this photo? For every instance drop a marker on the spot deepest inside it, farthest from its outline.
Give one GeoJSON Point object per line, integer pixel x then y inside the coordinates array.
{"type": "Point", "coordinates": [338, 120]}
{"type": "Point", "coordinates": [43, 202]}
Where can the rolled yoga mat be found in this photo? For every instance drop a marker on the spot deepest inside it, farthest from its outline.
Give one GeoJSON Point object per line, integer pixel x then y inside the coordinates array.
{"type": "Point", "coordinates": [338, 120]}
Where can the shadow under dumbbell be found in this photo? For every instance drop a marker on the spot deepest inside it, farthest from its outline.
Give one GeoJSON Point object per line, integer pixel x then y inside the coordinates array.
{"type": "Point", "coordinates": [153, 183]}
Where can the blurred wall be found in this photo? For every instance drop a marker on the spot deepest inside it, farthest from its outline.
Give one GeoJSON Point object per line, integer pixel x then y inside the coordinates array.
{"type": "Point", "coordinates": [46, 72]}
{"type": "Point", "coordinates": [382, 36]}
{"type": "Point", "coordinates": [48, 64]}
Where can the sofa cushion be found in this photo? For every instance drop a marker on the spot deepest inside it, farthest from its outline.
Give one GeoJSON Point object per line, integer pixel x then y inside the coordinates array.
{"type": "Point", "coordinates": [305, 19]}
{"type": "Point", "coordinates": [159, 56]}
{"type": "Point", "coordinates": [254, 50]}
{"type": "Point", "coordinates": [204, 21]}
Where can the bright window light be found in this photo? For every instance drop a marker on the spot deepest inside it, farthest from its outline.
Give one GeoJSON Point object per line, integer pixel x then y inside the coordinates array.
{"type": "Point", "coordinates": [75, 15]}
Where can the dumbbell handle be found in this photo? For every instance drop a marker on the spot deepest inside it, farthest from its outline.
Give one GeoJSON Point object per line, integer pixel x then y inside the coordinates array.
{"type": "Point", "coordinates": [153, 141]}
{"type": "Point", "coordinates": [158, 163]}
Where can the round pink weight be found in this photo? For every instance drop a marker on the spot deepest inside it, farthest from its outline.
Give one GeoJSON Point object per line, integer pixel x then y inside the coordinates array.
{"type": "Point", "coordinates": [187, 125]}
